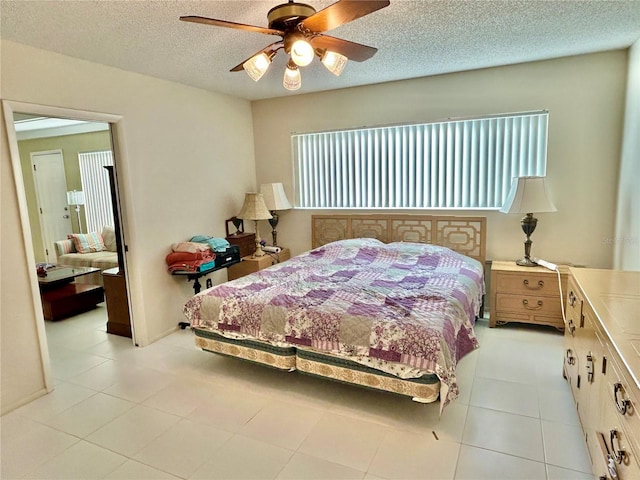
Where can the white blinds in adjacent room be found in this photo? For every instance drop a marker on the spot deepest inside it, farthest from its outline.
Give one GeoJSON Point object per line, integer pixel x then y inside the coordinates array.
{"type": "Point", "coordinates": [457, 164]}
{"type": "Point", "coordinates": [97, 192]}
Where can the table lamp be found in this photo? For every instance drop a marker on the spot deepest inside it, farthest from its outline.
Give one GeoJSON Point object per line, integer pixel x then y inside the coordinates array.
{"type": "Point", "coordinates": [528, 195]}
{"type": "Point", "coordinates": [275, 199]}
{"type": "Point", "coordinates": [255, 209]}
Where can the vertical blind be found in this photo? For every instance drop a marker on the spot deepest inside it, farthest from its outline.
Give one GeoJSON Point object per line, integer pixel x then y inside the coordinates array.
{"type": "Point", "coordinates": [462, 164]}
{"type": "Point", "coordinates": [97, 192]}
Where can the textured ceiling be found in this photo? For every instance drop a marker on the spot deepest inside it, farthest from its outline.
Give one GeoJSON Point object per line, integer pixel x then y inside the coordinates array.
{"type": "Point", "coordinates": [414, 38]}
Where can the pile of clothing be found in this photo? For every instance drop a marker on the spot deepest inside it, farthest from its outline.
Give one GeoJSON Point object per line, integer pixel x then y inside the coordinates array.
{"type": "Point", "coordinates": [196, 255]}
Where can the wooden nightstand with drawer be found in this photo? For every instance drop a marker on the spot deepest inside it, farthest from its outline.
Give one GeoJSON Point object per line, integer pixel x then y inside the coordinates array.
{"type": "Point", "coordinates": [251, 264]}
{"type": "Point", "coordinates": [526, 295]}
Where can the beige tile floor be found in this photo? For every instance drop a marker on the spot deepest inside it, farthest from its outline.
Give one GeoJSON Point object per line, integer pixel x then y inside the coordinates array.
{"type": "Point", "coordinates": [171, 411]}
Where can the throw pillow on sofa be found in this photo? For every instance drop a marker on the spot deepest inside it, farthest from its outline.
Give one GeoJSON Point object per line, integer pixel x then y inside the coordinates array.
{"type": "Point", "coordinates": [109, 238]}
{"type": "Point", "coordinates": [87, 242]}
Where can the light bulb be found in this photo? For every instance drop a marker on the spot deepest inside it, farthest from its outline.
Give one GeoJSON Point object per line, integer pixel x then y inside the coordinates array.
{"type": "Point", "coordinates": [292, 79]}
{"type": "Point", "coordinates": [334, 62]}
{"type": "Point", "coordinates": [257, 65]}
{"type": "Point", "coordinates": [301, 53]}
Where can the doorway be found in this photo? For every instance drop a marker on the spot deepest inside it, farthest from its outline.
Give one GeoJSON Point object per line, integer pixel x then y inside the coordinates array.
{"type": "Point", "coordinates": [33, 239]}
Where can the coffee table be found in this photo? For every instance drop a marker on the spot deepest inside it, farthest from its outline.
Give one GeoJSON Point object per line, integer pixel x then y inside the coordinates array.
{"type": "Point", "coordinates": [62, 297]}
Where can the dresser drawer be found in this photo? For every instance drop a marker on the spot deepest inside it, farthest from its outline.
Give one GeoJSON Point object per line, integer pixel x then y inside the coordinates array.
{"type": "Point", "coordinates": [529, 283]}
{"type": "Point", "coordinates": [617, 447]}
{"type": "Point", "coordinates": [622, 398]}
{"type": "Point", "coordinates": [528, 304]}
{"type": "Point", "coordinates": [525, 295]}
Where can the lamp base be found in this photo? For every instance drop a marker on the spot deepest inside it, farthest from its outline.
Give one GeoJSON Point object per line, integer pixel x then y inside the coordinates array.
{"type": "Point", "coordinates": [259, 252]}
{"type": "Point", "coordinates": [526, 262]}
{"type": "Point", "coordinates": [528, 224]}
{"type": "Point", "coordinates": [273, 221]}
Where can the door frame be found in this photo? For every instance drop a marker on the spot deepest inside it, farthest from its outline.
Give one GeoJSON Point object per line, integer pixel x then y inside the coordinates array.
{"type": "Point", "coordinates": [119, 158]}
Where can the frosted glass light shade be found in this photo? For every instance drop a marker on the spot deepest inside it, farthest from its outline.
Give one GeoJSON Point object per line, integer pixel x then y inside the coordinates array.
{"type": "Point", "coordinates": [274, 196]}
{"type": "Point", "coordinates": [334, 62]}
{"type": "Point", "coordinates": [257, 66]}
{"type": "Point", "coordinates": [292, 79]}
{"type": "Point", "coordinates": [301, 53]}
{"type": "Point", "coordinates": [528, 195]}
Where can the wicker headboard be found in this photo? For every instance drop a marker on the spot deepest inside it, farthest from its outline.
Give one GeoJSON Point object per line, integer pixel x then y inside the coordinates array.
{"type": "Point", "coordinates": [465, 235]}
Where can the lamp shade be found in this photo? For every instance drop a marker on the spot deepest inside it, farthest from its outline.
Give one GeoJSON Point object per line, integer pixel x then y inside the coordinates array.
{"type": "Point", "coordinates": [528, 195]}
{"type": "Point", "coordinates": [334, 62]}
{"type": "Point", "coordinates": [274, 196]}
{"type": "Point", "coordinates": [254, 208]}
{"type": "Point", "coordinates": [75, 197]}
{"type": "Point", "coordinates": [302, 53]}
{"type": "Point", "coordinates": [292, 79]}
{"type": "Point", "coordinates": [257, 66]}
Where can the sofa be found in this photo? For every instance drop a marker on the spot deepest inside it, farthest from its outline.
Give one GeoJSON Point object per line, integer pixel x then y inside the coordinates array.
{"type": "Point", "coordinates": [94, 249]}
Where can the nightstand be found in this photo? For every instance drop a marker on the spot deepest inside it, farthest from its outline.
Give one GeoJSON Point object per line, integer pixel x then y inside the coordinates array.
{"type": "Point", "coordinates": [251, 264]}
{"type": "Point", "coordinates": [526, 295]}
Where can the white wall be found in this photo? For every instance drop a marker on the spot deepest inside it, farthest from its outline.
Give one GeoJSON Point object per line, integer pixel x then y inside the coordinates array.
{"type": "Point", "coordinates": [585, 98]}
{"type": "Point", "coordinates": [627, 239]}
{"type": "Point", "coordinates": [186, 165]}
{"type": "Point", "coordinates": [22, 375]}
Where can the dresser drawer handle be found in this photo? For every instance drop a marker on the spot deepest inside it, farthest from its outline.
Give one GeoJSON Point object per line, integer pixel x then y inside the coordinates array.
{"type": "Point", "coordinates": [624, 404]}
{"type": "Point", "coordinates": [525, 302]}
{"type": "Point", "coordinates": [619, 455]}
{"type": "Point", "coordinates": [540, 284]}
{"type": "Point", "coordinates": [572, 327]}
{"type": "Point", "coordinates": [571, 360]}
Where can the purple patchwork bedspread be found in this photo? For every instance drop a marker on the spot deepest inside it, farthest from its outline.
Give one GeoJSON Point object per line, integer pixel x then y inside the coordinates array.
{"type": "Point", "coordinates": [404, 304]}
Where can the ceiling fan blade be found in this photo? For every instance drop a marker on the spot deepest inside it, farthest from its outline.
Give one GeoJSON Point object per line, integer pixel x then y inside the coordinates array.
{"type": "Point", "coordinates": [224, 23]}
{"type": "Point", "coordinates": [274, 47]}
{"type": "Point", "coordinates": [351, 50]}
{"type": "Point", "coordinates": [341, 12]}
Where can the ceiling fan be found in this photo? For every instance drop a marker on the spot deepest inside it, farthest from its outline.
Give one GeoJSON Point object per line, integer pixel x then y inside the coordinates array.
{"type": "Point", "coordinates": [301, 30]}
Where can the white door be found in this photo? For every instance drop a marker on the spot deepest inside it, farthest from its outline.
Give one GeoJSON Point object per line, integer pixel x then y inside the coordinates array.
{"type": "Point", "coordinates": [51, 194]}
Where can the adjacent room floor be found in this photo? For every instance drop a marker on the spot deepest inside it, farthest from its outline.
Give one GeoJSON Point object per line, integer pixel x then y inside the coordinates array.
{"type": "Point", "coordinates": [171, 411]}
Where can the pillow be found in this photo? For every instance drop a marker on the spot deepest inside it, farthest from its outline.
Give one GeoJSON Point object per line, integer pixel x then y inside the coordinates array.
{"type": "Point", "coordinates": [109, 238]}
{"type": "Point", "coordinates": [87, 242]}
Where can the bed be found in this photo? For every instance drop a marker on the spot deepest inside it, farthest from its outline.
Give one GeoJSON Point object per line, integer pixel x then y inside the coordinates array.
{"type": "Point", "coordinates": [386, 302]}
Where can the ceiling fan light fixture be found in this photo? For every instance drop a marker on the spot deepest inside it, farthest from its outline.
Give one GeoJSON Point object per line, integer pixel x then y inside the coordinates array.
{"type": "Point", "coordinates": [257, 66]}
{"type": "Point", "coordinates": [301, 53]}
{"type": "Point", "coordinates": [334, 62]}
{"type": "Point", "coordinates": [292, 79]}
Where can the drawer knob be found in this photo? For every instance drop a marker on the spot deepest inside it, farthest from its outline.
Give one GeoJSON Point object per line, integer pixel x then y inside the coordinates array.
{"type": "Point", "coordinates": [539, 285]}
{"type": "Point", "coordinates": [572, 327]}
{"type": "Point", "coordinates": [623, 404]}
{"type": "Point", "coordinates": [538, 305]}
{"type": "Point", "coordinates": [619, 454]}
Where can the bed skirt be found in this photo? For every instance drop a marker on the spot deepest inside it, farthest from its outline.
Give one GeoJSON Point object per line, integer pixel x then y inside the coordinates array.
{"type": "Point", "coordinates": [425, 389]}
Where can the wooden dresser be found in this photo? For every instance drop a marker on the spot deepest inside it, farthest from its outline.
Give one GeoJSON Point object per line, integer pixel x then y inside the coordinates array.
{"type": "Point", "coordinates": [602, 366]}
{"type": "Point", "coordinates": [526, 294]}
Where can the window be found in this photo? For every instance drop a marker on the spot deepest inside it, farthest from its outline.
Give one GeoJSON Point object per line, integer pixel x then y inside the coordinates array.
{"type": "Point", "coordinates": [457, 164]}
{"type": "Point", "coordinates": [96, 187]}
